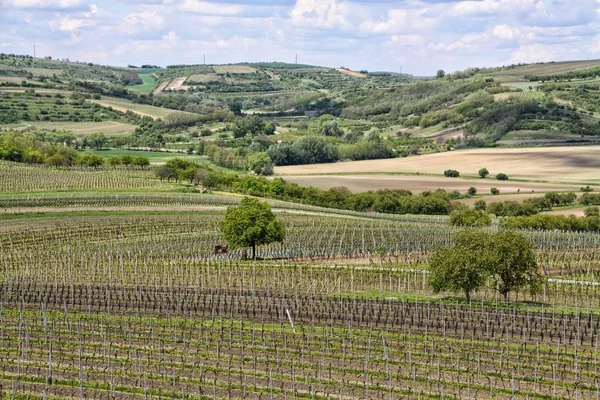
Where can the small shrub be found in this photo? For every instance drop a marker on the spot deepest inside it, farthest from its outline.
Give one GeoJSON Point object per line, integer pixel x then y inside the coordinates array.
{"type": "Point", "coordinates": [494, 191]}
{"type": "Point", "coordinates": [480, 205]}
{"type": "Point", "coordinates": [592, 212]}
{"type": "Point", "coordinates": [472, 191]}
{"type": "Point", "coordinates": [587, 189]}
{"type": "Point", "coordinates": [451, 173]}
{"type": "Point", "coordinates": [502, 177]}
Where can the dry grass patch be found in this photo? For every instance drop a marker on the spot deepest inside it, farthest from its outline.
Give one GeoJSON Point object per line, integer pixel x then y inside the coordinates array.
{"type": "Point", "coordinates": [353, 74]}
{"type": "Point", "coordinates": [176, 83]}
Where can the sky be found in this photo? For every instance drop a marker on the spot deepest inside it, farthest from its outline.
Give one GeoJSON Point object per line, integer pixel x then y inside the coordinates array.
{"type": "Point", "coordinates": [414, 36]}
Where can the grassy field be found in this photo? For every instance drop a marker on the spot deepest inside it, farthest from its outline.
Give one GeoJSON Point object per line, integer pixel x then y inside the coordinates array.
{"type": "Point", "coordinates": [147, 87]}
{"type": "Point", "coordinates": [555, 164]}
{"type": "Point", "coordinates": [78, 128]}
{"type": "Point", "coordinates": [140, 109]}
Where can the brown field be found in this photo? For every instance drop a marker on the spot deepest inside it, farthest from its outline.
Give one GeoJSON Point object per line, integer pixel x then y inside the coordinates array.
{"type": "Point", "coordinates": [204, 78]}
{"type": "Point", "coordinates": [351, 73]}
{"type": "Point", "coordinates": [418, 184]}
{"type": "Point", "coordinates": [234, 69]}
{"type": "Point", "coordinates": [579, 164]}
{"type": "Point", "coordinates": [549, 68]}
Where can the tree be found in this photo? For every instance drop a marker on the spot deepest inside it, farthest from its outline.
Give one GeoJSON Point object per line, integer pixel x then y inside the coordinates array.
{"type": "Point", "coordinates": [472, 191]}
{"type": "Point", "coordinates": [250, 224]}
{"type": "Point", "coordinates": [451, 173]}
{"type": "Point", "coordinates": [502, 177]}
{"type": "Point", "coordinates": [91, 160]}
{"type": "Point", "coordinates": [461, 267]}
{"type": "Point", "coordinates": [470, 218]}
{"type": "Point", "coordinates": [96, 141]}
{"type": "Point", "coordinates": [512, 264]}
{"type": "Point", "coordinates": [592, 212]}
{"type": "Point", "coordinates": [494, 191]}
{"type": "Point", "coordinates": [440, 74]}
{"type": "Point", "coordinates": [260, 164]}
{"type": "Point", "coordinates": [483, 172]}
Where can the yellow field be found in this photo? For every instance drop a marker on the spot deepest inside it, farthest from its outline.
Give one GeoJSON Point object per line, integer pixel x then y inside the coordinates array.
{"type": "Point", "coordinates": [580, 164]}
{"type": "Point", "coordinates": [203, 78]}
{"type": "Point", "coordinates": [234, 69]}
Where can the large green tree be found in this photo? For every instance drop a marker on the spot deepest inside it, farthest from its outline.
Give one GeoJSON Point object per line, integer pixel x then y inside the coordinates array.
{"type": "Point", "coordinates": [250, 224]}
{"type": "Point", "coordinates": [513, 263]}
{"type": "Point", "coordinates": [461, 267]}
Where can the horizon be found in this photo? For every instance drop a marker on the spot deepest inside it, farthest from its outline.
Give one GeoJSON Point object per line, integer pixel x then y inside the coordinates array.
{"type": "Point", "coordinates": [413, 37]}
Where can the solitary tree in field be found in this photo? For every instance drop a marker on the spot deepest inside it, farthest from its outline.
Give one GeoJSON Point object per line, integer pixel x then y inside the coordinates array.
{"type": "Point", "coordinates": [512, 263]}
{"type": "Point", "coordinates": [483, 172]}
{"type": "Point", "coordinates": [506, 258]}
{"type": "Point", "coordinates": [461, 267]}
{"type": "Point", "coordinates": [440, 74]}
{"type": "Point", "coordinates": [250, 224]}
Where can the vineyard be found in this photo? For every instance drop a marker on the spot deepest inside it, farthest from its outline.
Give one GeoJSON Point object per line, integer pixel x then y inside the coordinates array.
{"type": "Point", "coordinates": [136, 305]}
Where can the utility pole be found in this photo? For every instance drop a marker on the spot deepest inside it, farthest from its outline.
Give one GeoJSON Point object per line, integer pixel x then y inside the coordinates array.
{"type": "Point", "coordinates": [204, 59]}
{"type": "Point", "coordinates": [296, 58]}
{"type": "Point", "coordinates": [34, 51]}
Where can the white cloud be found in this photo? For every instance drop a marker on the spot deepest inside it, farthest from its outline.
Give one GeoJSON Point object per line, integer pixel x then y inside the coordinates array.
{"type": "Point", "coordinates": [505, 32]}
{"type": "Point", "coordinates": [492, 7]}
{"type": "Point", "coordinates": [400, 20]}
{"type": "Point", "coordinates": [73, 26]}
{"type": "Point", "coordinates": [205, 7]}
{"type": "Point", "coordinates": [530, 53]}
{"type": "Point", "coordinates": [141, 21]}
{"type": "Point", "coordinates": [40, 4]}
{"type": "Point", "coordinates": [328, 14]}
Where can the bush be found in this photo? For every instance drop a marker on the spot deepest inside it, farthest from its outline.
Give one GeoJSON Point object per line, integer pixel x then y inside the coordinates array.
{"type": "Point", "coordinates": [587, 189]}
{"type": "Point", "coordinates": [472, 191]}
{"type": "Point", "coordinates": [451, 173]}
{"type": "Point", "coordinates": [494, 191]}
{"type": "Point", "coordinates": [592, 212]}
{"type": "Point", "coordinates": [480, 205]}
{"type": "Point", "coordinates": [502, 177]}
{"type": "Point", "coordinates": [483, 172]}
{"type": "Point", "coordinates": [469, 218]}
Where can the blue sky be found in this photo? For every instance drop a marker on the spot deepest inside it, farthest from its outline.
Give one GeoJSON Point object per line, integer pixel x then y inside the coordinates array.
{"type": "Point", "coordinates": [419, 36]}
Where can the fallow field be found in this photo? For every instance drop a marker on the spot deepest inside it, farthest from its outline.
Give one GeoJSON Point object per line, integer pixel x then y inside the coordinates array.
{"type": "Point", "coordinates": [576, 165]}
